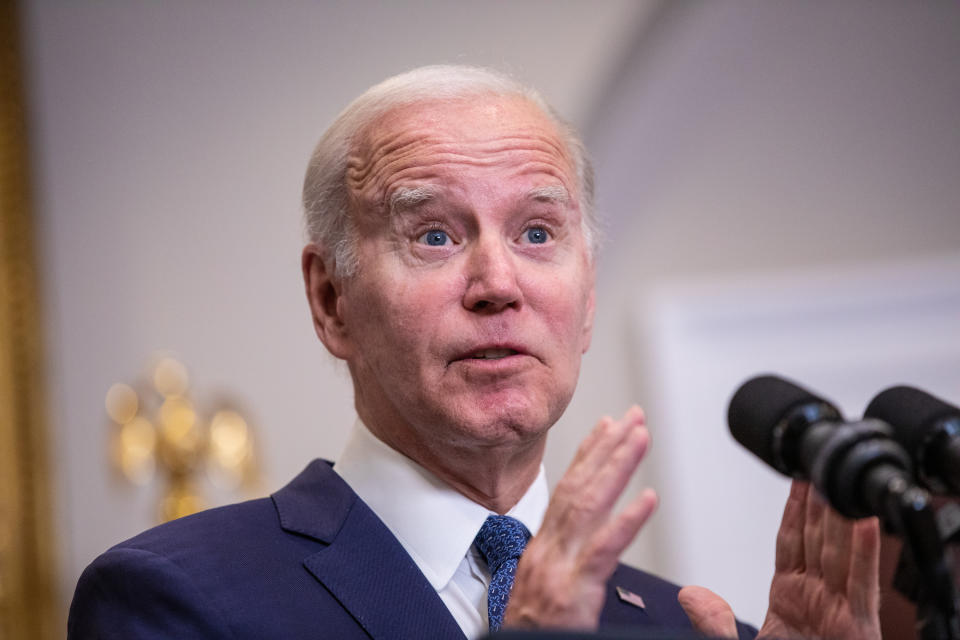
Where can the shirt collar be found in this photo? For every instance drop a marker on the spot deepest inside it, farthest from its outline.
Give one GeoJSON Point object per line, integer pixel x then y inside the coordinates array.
{"type": "Point", "coordinates": [433, 522]}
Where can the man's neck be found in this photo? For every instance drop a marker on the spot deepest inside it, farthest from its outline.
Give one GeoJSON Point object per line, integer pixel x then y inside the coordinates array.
{"type": "Point", "coordinates": [495, 477]}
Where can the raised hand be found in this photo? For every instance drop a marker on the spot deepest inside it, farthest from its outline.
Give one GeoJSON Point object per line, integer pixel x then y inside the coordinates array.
{"type": "Point", "coordinates": [561, 578]}
{"type": "Point", "coordinates": [825, 584]}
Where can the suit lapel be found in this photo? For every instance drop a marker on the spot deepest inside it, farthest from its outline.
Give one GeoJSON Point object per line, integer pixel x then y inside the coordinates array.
{"type": "Point", "coordinates": [362, 565]}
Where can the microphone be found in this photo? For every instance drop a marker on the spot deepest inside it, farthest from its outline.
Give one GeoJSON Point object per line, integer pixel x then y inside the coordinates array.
{"type": "Point", "coordinates": [861, 471]}
{"type": "Point", "coordinates": [928, 428]}
{"type": "Point", "coordinates": [856, 466]}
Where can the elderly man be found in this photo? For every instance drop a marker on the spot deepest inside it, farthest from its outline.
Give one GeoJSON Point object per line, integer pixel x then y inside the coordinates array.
{"type": "Point", "coordinates": [451, 265]}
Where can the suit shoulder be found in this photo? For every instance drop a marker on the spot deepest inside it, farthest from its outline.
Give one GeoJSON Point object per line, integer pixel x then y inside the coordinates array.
{"type": "Point", "coordinates": [211, 528]}
{"type": "Point", "coordinates": [134, 593]}
{"type": "Point", "coordinates": [237, 571]}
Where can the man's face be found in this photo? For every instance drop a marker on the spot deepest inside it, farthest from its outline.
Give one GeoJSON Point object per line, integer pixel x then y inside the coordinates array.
{"type": "Point", "coordinates": [473, 302]}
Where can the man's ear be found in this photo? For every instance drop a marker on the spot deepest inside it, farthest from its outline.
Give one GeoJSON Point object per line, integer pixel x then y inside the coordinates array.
{"type": "Point", "coordinates": [324, 292]}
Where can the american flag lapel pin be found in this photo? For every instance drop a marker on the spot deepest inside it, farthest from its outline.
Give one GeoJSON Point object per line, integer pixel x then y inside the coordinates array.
{"type": "Point", "coordinates": [630, 598]}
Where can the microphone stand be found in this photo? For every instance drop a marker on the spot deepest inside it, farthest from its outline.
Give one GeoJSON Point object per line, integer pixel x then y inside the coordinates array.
{"type": "Point", "coordinates": [922, 573]}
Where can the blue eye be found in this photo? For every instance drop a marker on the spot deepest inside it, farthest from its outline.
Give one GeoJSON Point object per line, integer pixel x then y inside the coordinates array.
{"type": "Point", "coordinates": [537, 235]}
{"type": "Point", "coordinates": [434, 238]}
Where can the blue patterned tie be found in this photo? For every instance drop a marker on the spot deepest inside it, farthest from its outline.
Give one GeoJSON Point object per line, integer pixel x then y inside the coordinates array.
{"type": "Point", "coordinates": [501, 540]}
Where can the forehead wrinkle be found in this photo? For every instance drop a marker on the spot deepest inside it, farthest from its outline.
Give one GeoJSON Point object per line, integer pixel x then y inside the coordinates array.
{"type": "Point", "coordinates": [428, 182]}
{"type": "Point", "coordinates": [365, 159]}
{"type": "Point", "coordinates": [377, 144]}
{"type": "Point", "coordinates": [421, 157]}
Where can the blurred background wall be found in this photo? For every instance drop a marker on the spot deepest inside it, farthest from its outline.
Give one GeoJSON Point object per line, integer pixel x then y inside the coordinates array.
{"type": "Point", "coordinates": [781, 184]}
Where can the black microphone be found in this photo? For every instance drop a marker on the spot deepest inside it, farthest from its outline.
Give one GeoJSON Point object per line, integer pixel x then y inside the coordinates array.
{"type": "Point", "coordinates": [856, 466]}
{"type": "Point", "coordinates": [928, 428]}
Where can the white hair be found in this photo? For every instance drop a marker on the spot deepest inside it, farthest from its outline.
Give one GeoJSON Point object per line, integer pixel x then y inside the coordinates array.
{"type": "Point", "coordinates": [325, 198]}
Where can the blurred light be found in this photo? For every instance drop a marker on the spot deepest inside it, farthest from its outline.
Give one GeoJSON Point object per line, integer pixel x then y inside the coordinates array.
{"type": "Point", "coordinates": [137, 440]}
{"type": "Point", "coordinates": [177, 442]}
{"type": "Point", "coordinates": [230, 451]}
{"type": "Point", "coordinates": [229, 439]}
{"type": "Point", "coordinates": [180, 437]}
{"type": "Point", "coordinates": [121, 403]}
{"type": "Point", "coordinates": [180, 500]}
{"type": "Point", "coordinates": [170, 377]}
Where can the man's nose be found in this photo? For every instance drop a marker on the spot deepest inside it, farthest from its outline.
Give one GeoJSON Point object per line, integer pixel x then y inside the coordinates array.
{"type": "Point", "coordinates": [491, 278]}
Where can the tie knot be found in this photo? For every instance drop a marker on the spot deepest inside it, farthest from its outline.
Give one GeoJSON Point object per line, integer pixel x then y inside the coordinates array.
{"type": "Point", "coordinates": [501, 538]}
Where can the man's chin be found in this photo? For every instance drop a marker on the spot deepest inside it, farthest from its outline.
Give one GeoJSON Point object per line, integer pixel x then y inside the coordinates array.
{"type": "Point", "coordinates": [501, 424]}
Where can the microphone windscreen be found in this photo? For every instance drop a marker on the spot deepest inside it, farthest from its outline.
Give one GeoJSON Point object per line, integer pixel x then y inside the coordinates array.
{"type": "Point", "coordinates": [757, 406]}
{"type": "Point", "coordinates": [912, 414]}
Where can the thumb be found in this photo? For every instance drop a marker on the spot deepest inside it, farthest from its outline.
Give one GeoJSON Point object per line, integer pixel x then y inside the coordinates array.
{"type": "Point", "coordinates": [709, 613]}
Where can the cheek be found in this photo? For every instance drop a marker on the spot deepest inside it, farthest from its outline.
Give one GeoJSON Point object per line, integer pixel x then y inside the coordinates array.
{"type": "Point", "coordinates": [564, 309]}
{"type": "Point", "coordinates": [399, 315]}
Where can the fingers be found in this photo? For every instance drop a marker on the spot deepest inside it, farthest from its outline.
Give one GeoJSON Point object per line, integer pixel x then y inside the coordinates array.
{"type": "Point", "coordinates": [610, 535]}
{"type": "Point", "coordinates": [600, 471]}
{"type": "Point", "coordinates": [864, 579]}
{"type": "Point", "coordinates": [813, 532]}
{"type": "Point", "coordinates": [615, 471]}
{"type": "Point", "coordinates": [611, 541]}
{"type": "Point", "coordinates": [836, 553]}
{"type": "Point", "coordinates": [827, 576]}
{"type": "Point", "coordinates": [818, 541]}
{"type": "Point", "coordinates": [604, 439]}
{"type": "Point", "coordinates": [790, 547]}
{"type": "Point", "coordinates": [709, 613]}
{"type": "Point", "coordinates": [561, 578]}
{"type": "Point", "coordinates": [850, 560]}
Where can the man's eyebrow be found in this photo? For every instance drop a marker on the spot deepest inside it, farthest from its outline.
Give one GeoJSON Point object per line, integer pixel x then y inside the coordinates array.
{"type": "Point", "coordinates": [410, 197]}
{"type": "Point", "coordinates": [553, 193]}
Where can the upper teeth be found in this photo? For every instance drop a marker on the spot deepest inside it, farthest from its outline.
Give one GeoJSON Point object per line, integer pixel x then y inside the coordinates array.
{"type": "Point", "coordinates": [493, 354]}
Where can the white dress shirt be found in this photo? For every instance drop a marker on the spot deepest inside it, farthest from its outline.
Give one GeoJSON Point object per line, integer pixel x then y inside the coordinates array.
{"type": "Point", "coordinates": [434, 523]}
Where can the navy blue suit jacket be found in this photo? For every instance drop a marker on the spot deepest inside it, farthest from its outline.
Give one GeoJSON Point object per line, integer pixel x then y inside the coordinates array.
{"type": "Point", "coordinates": [311, 561]}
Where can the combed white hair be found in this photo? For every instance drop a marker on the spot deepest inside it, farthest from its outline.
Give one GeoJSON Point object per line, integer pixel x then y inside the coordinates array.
{"type": "Point", "coordinates": [325, 198]}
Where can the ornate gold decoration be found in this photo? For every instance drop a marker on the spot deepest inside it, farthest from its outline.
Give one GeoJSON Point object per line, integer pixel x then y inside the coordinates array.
{"type": "Point", "coordinates": [159, 430]}
{"type": "Point", "coordinates": [26, 558]}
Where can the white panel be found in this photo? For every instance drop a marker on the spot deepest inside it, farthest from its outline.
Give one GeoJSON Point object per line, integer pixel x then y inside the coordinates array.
{"type": "Point", "coordinates": [844, 334]}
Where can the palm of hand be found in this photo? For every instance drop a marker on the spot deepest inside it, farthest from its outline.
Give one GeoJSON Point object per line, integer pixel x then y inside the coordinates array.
{"type": "Point", "coordinates": [801, 606]}
{"type": "Point", "coordinates": [826, 582]}
{"type": "Point", "coordinates": [561, 578]}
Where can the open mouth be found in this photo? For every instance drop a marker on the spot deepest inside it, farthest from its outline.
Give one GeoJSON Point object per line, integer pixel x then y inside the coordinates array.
{"type": "Point", "coordinates": [493, 354]}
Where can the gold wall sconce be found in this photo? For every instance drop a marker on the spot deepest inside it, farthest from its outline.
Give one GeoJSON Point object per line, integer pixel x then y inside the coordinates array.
{"type": "Point", "coordinates": [159, 431]}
